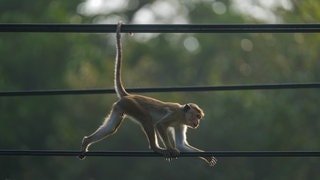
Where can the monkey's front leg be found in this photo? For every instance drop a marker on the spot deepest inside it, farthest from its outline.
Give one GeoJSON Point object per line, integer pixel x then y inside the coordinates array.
{"type": "Point", "coordinates": [171, 151]}
{"type": "Point", "coordinates": [183, 145]}
{"type": "Point", "coordinates": [168, 153]}
{"type": "Point", "coordinates": [150, 132]}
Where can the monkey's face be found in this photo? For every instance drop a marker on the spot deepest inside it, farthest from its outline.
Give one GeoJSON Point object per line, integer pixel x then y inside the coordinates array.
{"type": "Point", "coordinates": [193, 119]}
{"type": "Point", "coordinates": [193, 115]}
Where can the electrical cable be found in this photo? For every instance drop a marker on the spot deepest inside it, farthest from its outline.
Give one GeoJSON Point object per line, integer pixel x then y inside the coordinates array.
{"type": "Point", "coordinates": [165, 89]}
{"type": "Point", "coordinates": [163, 28]}
{"type": "Point", "coordinates": [154, 154]}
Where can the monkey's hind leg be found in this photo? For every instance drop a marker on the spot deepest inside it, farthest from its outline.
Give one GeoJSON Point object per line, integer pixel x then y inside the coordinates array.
{"type": "Point", "coordinates": [109, 127]}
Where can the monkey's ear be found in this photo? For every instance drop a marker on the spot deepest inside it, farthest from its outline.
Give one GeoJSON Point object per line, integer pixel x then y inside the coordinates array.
{"type": "Point", "coordinates": [186, 107]}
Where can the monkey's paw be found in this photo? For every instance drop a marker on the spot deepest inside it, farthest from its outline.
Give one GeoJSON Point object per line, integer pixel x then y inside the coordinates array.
{"type": "Point", "coordinates": [212, 161]}
{"type": "Point", "coordinates": [170, 154]}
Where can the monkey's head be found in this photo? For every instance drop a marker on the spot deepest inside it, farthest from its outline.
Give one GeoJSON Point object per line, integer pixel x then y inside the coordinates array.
{"type": "Point", "coordinates": [193, 114]}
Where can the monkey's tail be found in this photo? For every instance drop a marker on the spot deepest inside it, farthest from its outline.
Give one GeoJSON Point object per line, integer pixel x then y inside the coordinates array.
{"type": "Point", "coordinates": [118, 85]}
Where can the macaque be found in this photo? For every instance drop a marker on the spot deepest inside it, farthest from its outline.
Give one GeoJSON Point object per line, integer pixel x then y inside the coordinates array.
{"type": "Point", "coordinates": [165, 120]}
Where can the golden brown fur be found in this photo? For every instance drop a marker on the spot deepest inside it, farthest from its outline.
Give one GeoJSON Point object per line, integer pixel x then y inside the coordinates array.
{"type": "Point", "coordinates": [155, 117]}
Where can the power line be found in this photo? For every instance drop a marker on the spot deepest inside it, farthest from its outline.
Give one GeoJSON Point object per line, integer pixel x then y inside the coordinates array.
{"type": "Point", "coordinates": [154, 154]}
{"type": "Point", "coordinates": [163, 28]}
{"type": "Point", "coordinates": [165, 89]}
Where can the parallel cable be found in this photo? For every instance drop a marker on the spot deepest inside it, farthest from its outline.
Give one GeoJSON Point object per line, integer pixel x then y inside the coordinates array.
{"type": "Point", "coordinates": [154, 154]}
{"type": "Point", "coordinates": [163, 28]}
{"type": "Point", "coordinates": [165, 89]}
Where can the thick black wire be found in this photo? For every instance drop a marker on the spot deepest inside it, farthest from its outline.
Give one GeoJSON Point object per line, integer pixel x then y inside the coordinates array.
{"type": "Point", "coordinates": [153, 154]}
{"type": "Point", "coordinates": [164, 28]}
{"type": "Point", "coordinates": [164, 89]}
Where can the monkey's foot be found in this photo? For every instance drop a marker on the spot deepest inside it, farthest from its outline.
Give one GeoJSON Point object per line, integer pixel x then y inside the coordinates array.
{"type": "Point", "coordinates": [82, 155]}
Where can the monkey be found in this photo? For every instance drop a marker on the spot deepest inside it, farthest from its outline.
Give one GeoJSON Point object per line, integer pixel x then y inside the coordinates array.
{"type": "Point", "coordinates": [167, 121]}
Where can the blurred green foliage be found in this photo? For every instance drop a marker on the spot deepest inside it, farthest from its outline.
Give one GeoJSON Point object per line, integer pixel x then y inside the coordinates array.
{"type": "Point", "coordinates": [237, 120]}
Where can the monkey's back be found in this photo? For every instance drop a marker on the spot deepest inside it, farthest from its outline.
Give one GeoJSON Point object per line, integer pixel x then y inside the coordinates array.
{"type": "Point", "coordinates": [137, 105]}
